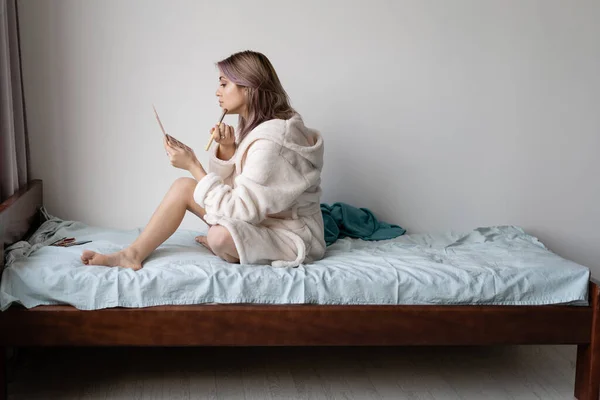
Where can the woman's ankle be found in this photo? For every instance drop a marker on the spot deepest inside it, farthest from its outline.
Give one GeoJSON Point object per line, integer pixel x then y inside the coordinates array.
{"type": "Point", "coordinates": [133, 254]}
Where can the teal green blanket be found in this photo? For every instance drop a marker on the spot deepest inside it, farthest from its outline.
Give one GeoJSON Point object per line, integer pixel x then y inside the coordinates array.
{"type": "Point", "coordinates": [342, 220]}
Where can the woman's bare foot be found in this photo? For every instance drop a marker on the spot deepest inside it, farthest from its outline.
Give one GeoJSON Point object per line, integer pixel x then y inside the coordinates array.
{"type": "Point", "coordinates": [118, 259]}
{"type": "Point", "coordinates": [203, 240]}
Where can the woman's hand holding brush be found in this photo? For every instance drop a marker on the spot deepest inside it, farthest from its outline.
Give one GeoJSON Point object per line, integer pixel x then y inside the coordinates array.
{"type": "Point", "coordinates": [223, 134]}
{"type": "Point", "coordinates": [216, 134]}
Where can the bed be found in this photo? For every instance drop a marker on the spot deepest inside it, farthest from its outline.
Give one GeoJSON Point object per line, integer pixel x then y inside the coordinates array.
{"type": "Point", "coordinates": [335, 324]}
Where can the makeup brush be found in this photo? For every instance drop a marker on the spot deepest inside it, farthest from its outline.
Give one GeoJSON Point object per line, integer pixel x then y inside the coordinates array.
{"type": "Point", "coordinates": [211, 136]}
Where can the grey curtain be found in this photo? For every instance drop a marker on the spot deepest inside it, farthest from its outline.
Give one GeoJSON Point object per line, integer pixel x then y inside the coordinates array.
{"type": "Point", "coordinates": [14, 146]}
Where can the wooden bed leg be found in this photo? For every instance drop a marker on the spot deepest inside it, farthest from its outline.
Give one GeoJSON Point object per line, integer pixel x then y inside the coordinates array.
{"type": "Point", "coordinates": [587, 373]}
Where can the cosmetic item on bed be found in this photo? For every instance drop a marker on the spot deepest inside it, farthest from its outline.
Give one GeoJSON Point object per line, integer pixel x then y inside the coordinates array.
{"type": "Point", "coordinates": [62, 242]}
{"type": "Point", "coordinates": [211, 137]}
{"type": "Point", "coordinates": [57, 241]}
{"type": "Point", "coordinates": [77, 243]}
{"type": "Point", "coordinates": [67, 242]}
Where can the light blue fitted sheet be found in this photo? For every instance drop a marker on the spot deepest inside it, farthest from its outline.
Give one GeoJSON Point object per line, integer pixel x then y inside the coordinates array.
{"type": "Point", "coordinates": [495, 265]}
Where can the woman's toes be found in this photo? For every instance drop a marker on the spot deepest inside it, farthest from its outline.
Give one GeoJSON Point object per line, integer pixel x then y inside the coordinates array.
{"type": "Point", "coordinates": [92, 258]}
{"type": "Point", "coordinates": [87, 256]}
{"type": "Point", "coordinates": [203, 240]}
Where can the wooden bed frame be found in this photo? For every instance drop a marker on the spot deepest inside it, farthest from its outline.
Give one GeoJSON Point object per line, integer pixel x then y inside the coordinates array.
{"type": "Point", "coordinates": [293, 325]}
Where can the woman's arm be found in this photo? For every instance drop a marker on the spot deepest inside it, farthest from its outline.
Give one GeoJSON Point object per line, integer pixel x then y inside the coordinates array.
{"type": "Point", "coordinates": [225, 152]}
{"type": "Point", "coordinates": [197, 170]}
{"type": "Point", "coordinates": [269, 184]}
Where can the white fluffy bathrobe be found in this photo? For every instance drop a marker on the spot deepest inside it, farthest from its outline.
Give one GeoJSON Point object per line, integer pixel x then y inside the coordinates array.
{"type": "Point", "coordinates": [268, 194]}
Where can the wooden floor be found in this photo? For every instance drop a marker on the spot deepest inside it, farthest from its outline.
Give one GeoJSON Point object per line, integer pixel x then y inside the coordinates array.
{"type": "Point", "coordinates": [510, 372]}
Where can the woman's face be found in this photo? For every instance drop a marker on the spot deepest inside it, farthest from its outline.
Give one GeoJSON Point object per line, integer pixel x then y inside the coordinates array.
{"type": "Point", "coordinates": [231, 96]}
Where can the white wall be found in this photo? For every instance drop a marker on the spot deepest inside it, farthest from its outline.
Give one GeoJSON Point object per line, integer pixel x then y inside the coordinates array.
{"type": "Point", "coordinates": [436, 115]}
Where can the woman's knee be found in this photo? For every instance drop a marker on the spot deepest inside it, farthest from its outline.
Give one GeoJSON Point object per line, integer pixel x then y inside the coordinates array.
{"type": "Point", "coordinates": [184, 185]}
{"type": "Point", "coordinates": [183, 188]}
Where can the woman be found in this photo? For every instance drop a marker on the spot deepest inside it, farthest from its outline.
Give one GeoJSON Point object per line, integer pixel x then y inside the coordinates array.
{"type": "Point", "coordinates": [261, 196]}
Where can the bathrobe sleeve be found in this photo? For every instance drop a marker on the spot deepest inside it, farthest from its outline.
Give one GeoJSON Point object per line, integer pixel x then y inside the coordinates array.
{"type": "Point", "coordinates": [267, 185]}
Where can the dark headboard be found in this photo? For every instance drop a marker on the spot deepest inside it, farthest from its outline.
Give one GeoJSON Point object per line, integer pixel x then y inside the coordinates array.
{"type": "Point", "coordinates": [20, 215]}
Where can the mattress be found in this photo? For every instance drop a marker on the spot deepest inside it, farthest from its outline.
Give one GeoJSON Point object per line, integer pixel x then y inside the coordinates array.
{"type": "Point", "coordinates": [497, 265]}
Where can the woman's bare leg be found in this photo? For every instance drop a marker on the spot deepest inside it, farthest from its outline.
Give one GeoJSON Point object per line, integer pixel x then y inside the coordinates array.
{"type": "Point", "coordinates": [222, 244]}
{"type": "Point", "coordinates": [164, 222]}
